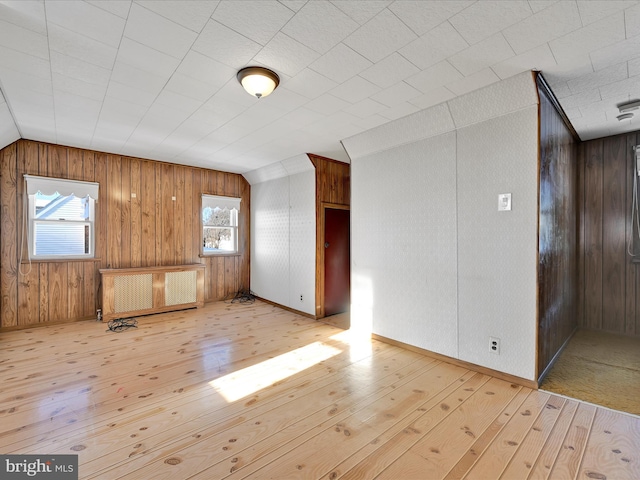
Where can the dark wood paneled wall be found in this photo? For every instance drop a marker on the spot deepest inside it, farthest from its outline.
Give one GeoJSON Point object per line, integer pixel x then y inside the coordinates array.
{"type": "Point", "coordinates": [558, 227]}
{"type": "Point", "coordinates": [333, 187]}
{"type": "Point", "coordinates": [609, 278]}
{"type": "Point", "coordinates": [148, 229]}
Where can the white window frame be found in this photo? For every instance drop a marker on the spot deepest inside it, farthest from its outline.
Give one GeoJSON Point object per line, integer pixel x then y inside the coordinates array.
{"type": "Point", "coordinates": [232, 203]}
{"type": "Point", "coordinates": [66, 188]}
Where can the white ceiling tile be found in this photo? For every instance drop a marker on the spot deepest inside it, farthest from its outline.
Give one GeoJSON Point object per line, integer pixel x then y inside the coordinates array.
{"type": "Point", "coordinates": [380, 37]}
{"type": "Point", "coordinates": [400, 110]}
{"type": "Point", "coordinates": [581, 99]}
{"type": "Point", "coordinates": [188, 13]}
{"type": "Point", "coordinates": [302, 116]}
{"type": "Point", "coordinates": [258, 20]}
{"type": "Point", "coordinates": [398, 93]}
{"type": "Point", "coordinates": [632, 21]}
{"type": "Point", "coordinates": [233, 92]}
{"type": "Point", "coordinates": [340, 63]}
{"type": "Point", "coordinates": [81, 47]}
{"type": "Point", "coordinates": [72, 67]}
{"type": "Point", "coordinates": [488, 52]}
{"type": "Point", "coordinates": [285, 100]}
{"type": "Point", "coordinates": [483, 19]}
{"type": "Point", "coordinates": [365, 108]}
{"type": "Point", "coordinates": [585, 40]}
{"type": "Point", "coordinates": [206, 70]}
{"type": "Point", "coordinates": [293, 5]}
{"type": "Point", "coordinates": [309, 83]}
{"type": "Point", "coordinates": [189, 86]}
{"type": "Point", "coordinates": [600, 78]}
{"type": "Point", "coordinates": [168, 115]}
{"type": "Point", "coordinates": [618, 52]}
{"type": "Point", "coordinates": [132, 95]}
{"type": "Point", "coordinates": [473, 82]}
{"type": "Point", "coordinates": [117, 7]}
{"type": "Point", "coordinates": [373, 121]}
{"type": "Point", "coordinates": [355, 89]}
{"type": "Point", "coordinates": [434, 46]}
{"type": "Point", "coordinates": [225, 45]}
{"type": "Point", "coordinates": [155, 31]}
{"type": "Point", "coordinates": [560, 89]}
{"type": "Point", "coordinates": [423, 16]}
{"type": "Point", "coordinates": [12, 79]}
{"type": "Point", "coordinates": [546, 25]}
{"type": "Point", "coordinates": [361, 11]}
{"type": "Point", "coordinates": [634, 67]}
{"type": "Point", "coordinates": [79, 87]}
{"type": "Point", "coordinates": [433, 97]}
{"type": "Point", "coordinates": [390, 71]}
{"type": "Point", "coordinates": [577, 66]}
{"type": "Point", "coordinates": [327, 104]}
{"type": "Point", "coordinates": [29, 15]}
{"type": "Point", "coordinates": [23, 40]}
{"type": "Point", "coordinates": [538, 58]}
{"type": "Point", "coordinates": [87, 20]}
{"type": "Point", "coordinates": [591, 11]}
{"type": "Point", "coordinates": [178, 102]}
{"type": "Point", "coordinates": [619, 91]}
{"type": "Point", "coordinates": [439, 74]}
{"type": "Point", "coordinates": [146, 58]}
{"type": "Point", "coordinates": [137, 78]}
{"type": "Point", "coordinates": [537, 5]}
{"type": "Point", "coordinates": [70, 105]}
{"type": "Point", "coordinates": [21, 62]}
{"type": "Point", "coordinates": [286, 55]}
{"type": "Point", "coordinates": [320, 26]}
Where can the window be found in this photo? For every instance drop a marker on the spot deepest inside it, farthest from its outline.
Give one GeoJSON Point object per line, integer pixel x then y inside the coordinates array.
{"type": "Point", "coordinates": [61, 216]}
{"type": "Point", "coordinates": [219, 224]}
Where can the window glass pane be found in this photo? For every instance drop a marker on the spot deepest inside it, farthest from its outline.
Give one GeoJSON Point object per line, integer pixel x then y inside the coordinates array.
{"type": "Point", "coordinates": [218, 239]}
{"type": "Point", "coordinates": [60, 238]}
{"type": "Point", "coordinates": [58, 207]}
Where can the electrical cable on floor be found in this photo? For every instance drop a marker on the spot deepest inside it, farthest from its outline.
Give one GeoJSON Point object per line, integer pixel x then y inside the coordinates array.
{"type": "Point", "coordinates": [242, 296]}
{"type": "Point", "coordinates": [122, 324]}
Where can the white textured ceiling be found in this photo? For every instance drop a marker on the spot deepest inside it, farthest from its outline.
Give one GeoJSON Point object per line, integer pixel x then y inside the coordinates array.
{"type": "Point", "coordinates": [156, 79]}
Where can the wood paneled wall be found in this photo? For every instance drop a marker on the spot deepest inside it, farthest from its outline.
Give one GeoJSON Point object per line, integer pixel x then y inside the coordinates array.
{"type": "Point", "coordinates": [609, 278]}
{"type": "Point", "coordinates": [558, 227]}
{"type": "Point", "coordinates": [333, 187]}
{"type": "Point", "coordinates": [148, 229]}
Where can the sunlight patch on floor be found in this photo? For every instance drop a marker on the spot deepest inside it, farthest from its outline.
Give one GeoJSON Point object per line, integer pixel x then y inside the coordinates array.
{"type": "Point", "coordinates": [250, 380]}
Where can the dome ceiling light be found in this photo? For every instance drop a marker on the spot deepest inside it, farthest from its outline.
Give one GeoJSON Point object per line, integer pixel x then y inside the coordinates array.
{"type": "Point", "coordinates": [258, 81]}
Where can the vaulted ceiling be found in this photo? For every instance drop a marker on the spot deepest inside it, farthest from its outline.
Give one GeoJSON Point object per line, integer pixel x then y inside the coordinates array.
{"type": "Point", "coordinates": [157, 79]}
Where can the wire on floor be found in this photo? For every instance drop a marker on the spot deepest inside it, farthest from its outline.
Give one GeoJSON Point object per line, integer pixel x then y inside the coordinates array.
{"type": "Point", "coordinates": [242, 296]}
{"type": "Point", "coordinates": [122, 324]}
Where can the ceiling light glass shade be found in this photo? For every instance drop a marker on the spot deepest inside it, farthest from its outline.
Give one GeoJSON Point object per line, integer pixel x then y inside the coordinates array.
{"type": "Point", "coordinates": [258, 81]}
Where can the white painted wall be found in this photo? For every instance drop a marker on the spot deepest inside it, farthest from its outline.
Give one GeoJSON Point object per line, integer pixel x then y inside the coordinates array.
{"type": "Point", "coordinates": [434, 264]}
{"type": "Point", "coordinates": [283, 237]}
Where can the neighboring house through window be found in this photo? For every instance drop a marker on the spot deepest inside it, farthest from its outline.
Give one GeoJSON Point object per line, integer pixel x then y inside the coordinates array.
{"type": "Point", "coordinates": [61, 217]}
{"type": "Point", "coordinates": [219, 224]}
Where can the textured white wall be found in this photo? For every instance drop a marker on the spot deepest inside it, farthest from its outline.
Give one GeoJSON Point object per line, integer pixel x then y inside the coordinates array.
{"type": "Point", "coordinates": [458, 271]}
{"type": "Point", "coordinates": [404, 242]}
{"type": "Point", "coordinates": [283, 240]}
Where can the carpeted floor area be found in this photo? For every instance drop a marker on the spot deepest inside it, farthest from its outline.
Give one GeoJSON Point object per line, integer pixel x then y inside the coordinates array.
{"type": "Point", "coordinates": [599, 368]}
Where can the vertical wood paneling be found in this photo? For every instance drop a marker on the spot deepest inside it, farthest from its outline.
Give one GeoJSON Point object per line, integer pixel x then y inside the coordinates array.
{"type": "Point", "coordinates": [146, 230]}
{"type": "Point", "coordinates": [148, 212]}
{"type": "Point", "coordinates": [558, 249]}
{"type": "Point", "coordinates": [593, 185]}
{"type": "Point", "coordinates": [613, 239]}
{"type": "Point", "coordinates": [610, 281]}
{"type": "Point", "coordinates": [9, 240]}
{"type": "Point", "coordinates": [136, 215]}
{"type": "Point", "coordinates": [332, 186]}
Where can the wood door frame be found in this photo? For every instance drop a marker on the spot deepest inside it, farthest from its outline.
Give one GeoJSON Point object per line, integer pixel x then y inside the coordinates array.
{"type": "Point", "coordinates": [320, 253]}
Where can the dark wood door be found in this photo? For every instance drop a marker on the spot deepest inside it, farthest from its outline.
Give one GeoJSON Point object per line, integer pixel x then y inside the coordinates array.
{"type": "Point", "coordinates": [337, 261]}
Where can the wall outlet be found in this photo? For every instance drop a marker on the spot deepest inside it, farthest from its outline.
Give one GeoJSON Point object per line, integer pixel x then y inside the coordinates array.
{"type": "Point", "coordinates": [300, 297]}
{"type": "Point", "coordinates": [494, 345]}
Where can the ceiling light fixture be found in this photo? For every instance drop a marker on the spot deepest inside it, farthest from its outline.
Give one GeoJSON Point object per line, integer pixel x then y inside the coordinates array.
{"type": "Point", "coordinates": [258, 81]}
{"type": "Point", "coordinates": [629, 106]}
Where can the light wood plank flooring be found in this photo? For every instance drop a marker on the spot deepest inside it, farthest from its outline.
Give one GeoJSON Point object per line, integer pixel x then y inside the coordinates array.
{"type": "Point", "coordinates": [254, 391]}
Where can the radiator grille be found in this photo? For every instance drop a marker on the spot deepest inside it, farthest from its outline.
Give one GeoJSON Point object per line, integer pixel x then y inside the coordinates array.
{"type": "Point", "coordinates": [133, 292]}
{"type": "Point", "coordinates": [180, 287]}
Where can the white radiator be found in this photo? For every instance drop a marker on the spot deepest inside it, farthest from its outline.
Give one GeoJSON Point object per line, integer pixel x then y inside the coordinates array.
{"type": "Point", "coordinates": [140, 291]}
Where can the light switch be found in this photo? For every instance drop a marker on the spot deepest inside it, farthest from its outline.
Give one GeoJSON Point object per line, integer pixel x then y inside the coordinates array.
{"type": "Point", "coordinates": [504, 202]}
